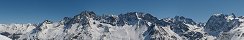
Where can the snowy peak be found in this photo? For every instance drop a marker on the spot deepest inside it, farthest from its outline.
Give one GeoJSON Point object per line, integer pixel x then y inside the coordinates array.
{"type": "Point", "coordinates": [150, 18]}
{"type": "Point", "coordinates": [130, 18]}
{"type": "Point", "coordinates": [65, 20]}
{"type": "Point", "coordinates": [47, 22]}
{"type": "Point", "coordinates": [133, 18]}
{"type": "Point", "coordinates": [129, 26]}
{"type": "Point", "coordinates": [233, 15]}
{"type": "Point", "coordinates": [89, 14]}
{"type": "Point", "coordinates": [217, 14]}
{"type": "Point", "coordinates": [241, 18]}
{"type": "Point", "coordinates": [83, 16]}
{"type": "Point", "coordinates": [223, 16]}
{"type": "Point", "coordinates": [184, 20]}
{"type": "Point", "coordinates": [220, 22]}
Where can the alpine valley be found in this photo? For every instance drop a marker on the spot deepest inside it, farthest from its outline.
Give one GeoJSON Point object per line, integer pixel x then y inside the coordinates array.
{"type": "Point", "coordinates": [128, 26]}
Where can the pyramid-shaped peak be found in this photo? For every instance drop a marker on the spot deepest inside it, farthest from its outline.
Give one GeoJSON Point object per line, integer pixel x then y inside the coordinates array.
{"type": "Point", "coordinates": [218, 14]}
{"type": "Point", "coordinates": [88, 14]}
{"type": "Point", "coordinates": [47, 21]}
{"type": "Point", "coordinates": [233, 15]}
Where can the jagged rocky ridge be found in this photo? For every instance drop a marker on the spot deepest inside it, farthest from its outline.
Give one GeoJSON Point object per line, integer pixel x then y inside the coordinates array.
{"type": "Point", "coordinates": [129, 26]}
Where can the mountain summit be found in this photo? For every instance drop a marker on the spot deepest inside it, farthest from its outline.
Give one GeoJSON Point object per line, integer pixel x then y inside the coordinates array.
{"type": "Point", "coordinates": [129, 26]}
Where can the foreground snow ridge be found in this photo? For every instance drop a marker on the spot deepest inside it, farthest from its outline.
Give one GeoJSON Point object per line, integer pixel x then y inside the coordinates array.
{"type": "Point", "coordinates": [4, 38]}
{"type": "Point", "coordinates": [129, 26]}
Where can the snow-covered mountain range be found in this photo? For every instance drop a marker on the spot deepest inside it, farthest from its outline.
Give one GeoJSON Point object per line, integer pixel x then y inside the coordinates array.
{"type": "Point", "coordinates": [129, 26]}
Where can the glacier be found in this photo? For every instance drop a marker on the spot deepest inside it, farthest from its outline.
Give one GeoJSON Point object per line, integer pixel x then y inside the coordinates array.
{"type": "Point", "coordinates": [129, 26]}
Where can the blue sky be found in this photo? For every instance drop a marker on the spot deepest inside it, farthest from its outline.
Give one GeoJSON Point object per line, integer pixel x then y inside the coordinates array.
{"type": "Point", "coordinates": [36, 11]}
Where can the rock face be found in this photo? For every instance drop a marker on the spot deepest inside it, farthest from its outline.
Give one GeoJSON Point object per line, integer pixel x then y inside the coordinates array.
{"type": "Point", "coordinates": [221, 23]}
{"type": "Point", "coordinates": [130, 26]}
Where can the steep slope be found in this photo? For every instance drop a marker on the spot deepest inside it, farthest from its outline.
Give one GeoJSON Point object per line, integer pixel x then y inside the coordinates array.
{"type": "Point", "coordinates": [220, 22]}
{"type": "Point", "coordinates": [186, 28]}
{"type": "Point", "coordinates": [235, 33]}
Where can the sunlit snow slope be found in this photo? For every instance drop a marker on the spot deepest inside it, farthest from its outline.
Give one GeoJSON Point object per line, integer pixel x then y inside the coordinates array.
{"type": "Point", "coordinates": [4, 38]}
